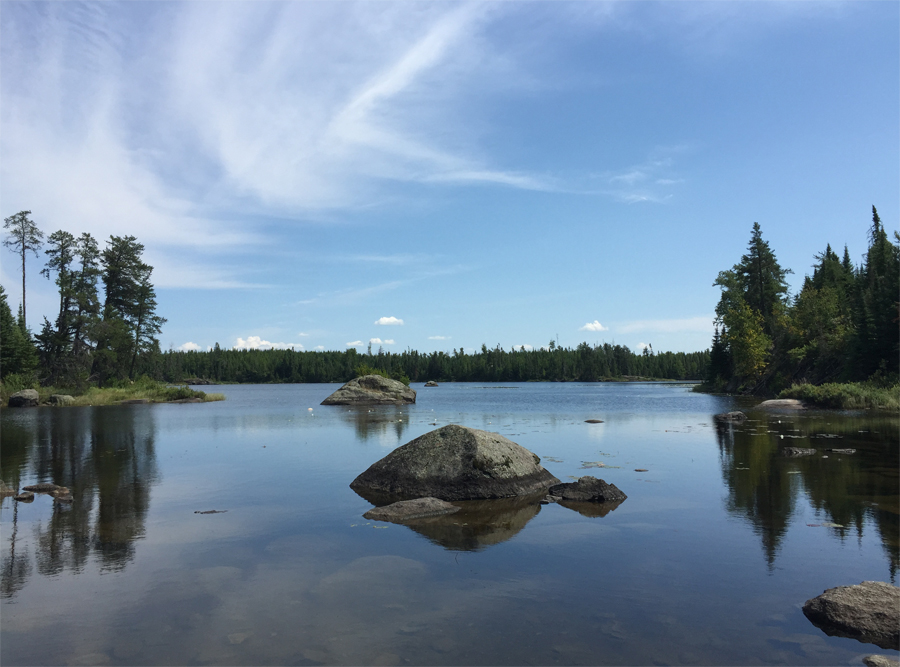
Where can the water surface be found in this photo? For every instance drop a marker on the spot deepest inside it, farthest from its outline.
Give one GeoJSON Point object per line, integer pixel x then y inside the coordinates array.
{"type": "Point", "coordinates": [708, 561]}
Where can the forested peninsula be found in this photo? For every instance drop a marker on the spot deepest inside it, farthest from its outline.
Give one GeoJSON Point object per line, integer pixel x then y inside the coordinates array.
{"type": "Point", "coordinates": [835, 343]}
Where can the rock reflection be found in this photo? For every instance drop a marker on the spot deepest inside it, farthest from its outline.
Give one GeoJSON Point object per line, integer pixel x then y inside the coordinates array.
{"type": "Point", "coordinates": [764, 486]}
{"type": "Point", "coordinates": [590, 509]}
{"type": "Point", "coordinates": [106, 456]}
{"type": "Point", "coordinates": [478, 524]}
{"type": "Point", "coordinates": [377, 420]}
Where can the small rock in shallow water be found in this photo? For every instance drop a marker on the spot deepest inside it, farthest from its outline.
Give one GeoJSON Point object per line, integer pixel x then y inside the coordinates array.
{"type": "Point", "coordinates": [25, 497]}
{"type": "Point", "coordinates": [868, 612]}
{"type": "Point", "coordinates": [43, 487]}
{"type": "Point", "coordinates": [593, 421]}
{"type": "Point", "coordinates": [841, 451]}
{"type": "Point", "coordinates": [641, 470]}
{"type": "Point", "coordinates": [411, 509]}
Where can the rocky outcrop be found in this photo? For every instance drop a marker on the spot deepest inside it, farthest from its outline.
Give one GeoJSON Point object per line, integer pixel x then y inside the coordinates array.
{"type": "Point", "coordinates": [731, 417]}
{"type": "Point", "coordinates": [880, 661]}
{"type": "Point", "coordinates": [797, 451]}
{"type": "Point", "coordinates": [61, 399]}
{"type": "Point", "coordinates": [868, 612]}
{"type": "Point", "coordinates": [587, 489]}
{"type": "Point", "coordinates": [405, 510]}
{"type": "Point", "coordinates": [27, 398]}
{"type": "Point", "coordinates": [431, 383]}
{"type": "Point", "coordinates": [782, 404]}
{"type": "Point", "coordinates": [372, 390]}
{"type": "Point", "coordinates": [455, 463]}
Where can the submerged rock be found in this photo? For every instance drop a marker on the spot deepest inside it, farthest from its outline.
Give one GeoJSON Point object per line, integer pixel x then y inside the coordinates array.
{"type": "Point", "coordinates": [593, 421]}
{"type": "Point", "coordinates": [61, 399]}
{"type": "Point", "coordinates": [587, 489]}
{"type": "Point", "coordinates": [44, 487]}
{"type": "Point", "coordinates": [797, 451]}
{"type": "Point", "coordinates": [868, 612]}
{"type": "Point", "coordinates": [782, 404]}
{"type": "Point", "coordinates": [405, 510]}
{"type": "Point", "coordinates": [27, 398]}
{"type": "Point", "coordinates": [455, 463]}
{"type": "Point", "coordinates": [25, 497]}
{"type": "Point", "coordinates": [372, 390]}
{"type": "Point", "coordinates": [734, 417]}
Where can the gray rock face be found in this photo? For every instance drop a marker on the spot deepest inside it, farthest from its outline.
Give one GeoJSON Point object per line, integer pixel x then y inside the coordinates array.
{"type": "Point", "coordinates": [797, 451]}
{"type": "Point", "coordinates": [880, 661]}
{"type": "Point", "coordinates": [405, 510]}
{"type": "Point", "coordinates": [732, 417]}
{"type": "Point", "coordinates": [588, 489]}
{"type": "Point", "coordinates": [61, 399]}
{"type": "Point", "coordinates": [27, 398]}
{"type": "Point", "coordinates": [431, 383]}
{"type": "Point", "coordinates": [868, 612]}
{"type": "Point", "coordinates": [782, 404]}
{"type": "Point", "coordinates": [455, 463]}
{"type": "Point", "coordinates": [372, 390]}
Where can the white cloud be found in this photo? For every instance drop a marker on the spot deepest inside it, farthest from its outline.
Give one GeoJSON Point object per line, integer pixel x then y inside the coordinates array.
{"type": "Point", "coordinates": [389, 321]}
{"type": "Point", "coordinates": [302, 334]}
{"type": "Point", "coordinates": [378, 341]}
{"type": "Point", "coordinates": [320, 347]}
{"type": "Point", "coordinates": [593, 326]}
{"type": "Point", "coordinates": [642, 346]}
{"type": "Point", "coordinates": [701, 324]}
{"type": "Point", "coordinates": [355, 343]}
{"type": "Point", "coordinates": [526, 347]}
{"type": "Point", "coordinates": [439, 337]}
{"type": "Point", "coordinates": [257, 343]}
{"type": "Point", "coordinates": [189, 347]}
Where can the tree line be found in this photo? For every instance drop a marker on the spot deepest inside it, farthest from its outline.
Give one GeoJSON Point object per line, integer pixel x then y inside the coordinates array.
{"type": "Point", "coordinates": [583, 363]}
{"type": "Point", "coordinates": [841, 327]}
{"type": "Point", "coordinates": [97, 336]}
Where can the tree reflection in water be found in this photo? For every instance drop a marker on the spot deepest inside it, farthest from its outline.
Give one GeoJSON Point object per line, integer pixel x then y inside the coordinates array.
{"type": "Point", "coordinates": [106, 457]}
{"type": "Point", "coordinates": [845, 489]}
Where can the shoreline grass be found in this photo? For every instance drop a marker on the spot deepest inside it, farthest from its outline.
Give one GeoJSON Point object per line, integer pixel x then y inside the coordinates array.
{"type": "Point", "coordinates": [846, 396]}
{"type": "Point", "coordinates": [150, 391]}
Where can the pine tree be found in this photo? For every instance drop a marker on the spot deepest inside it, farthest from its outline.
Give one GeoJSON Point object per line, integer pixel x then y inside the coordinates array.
{"type": "Point", "coordinates": [23, 236]}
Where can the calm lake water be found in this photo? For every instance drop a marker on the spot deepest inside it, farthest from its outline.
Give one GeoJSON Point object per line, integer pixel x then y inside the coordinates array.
{"type": "Point", "coordinates": [708, 561]}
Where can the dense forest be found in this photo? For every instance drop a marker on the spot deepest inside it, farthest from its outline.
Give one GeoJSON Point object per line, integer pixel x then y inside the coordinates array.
{"type": "Point", "coordinates": [841, 327]}
{"type": "Point", "coordinates": [585, 363]}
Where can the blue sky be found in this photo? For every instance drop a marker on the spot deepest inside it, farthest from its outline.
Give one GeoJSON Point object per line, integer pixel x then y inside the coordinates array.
{"type": "Point", "coordinates": [438, 175]}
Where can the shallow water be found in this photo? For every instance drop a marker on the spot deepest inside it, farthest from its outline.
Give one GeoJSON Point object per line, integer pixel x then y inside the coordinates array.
{"type": "Point", "coordinates": [708, 561]}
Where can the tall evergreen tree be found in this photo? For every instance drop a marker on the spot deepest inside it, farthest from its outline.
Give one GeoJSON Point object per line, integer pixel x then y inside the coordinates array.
{"type": "Point", "coordinates": [17, 354]}
{"type": "Point", "coordinates": [24, 235]}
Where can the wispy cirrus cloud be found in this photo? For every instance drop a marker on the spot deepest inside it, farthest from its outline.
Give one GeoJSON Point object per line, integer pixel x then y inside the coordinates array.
{"type": "Point", "coordinates": [439, 337]}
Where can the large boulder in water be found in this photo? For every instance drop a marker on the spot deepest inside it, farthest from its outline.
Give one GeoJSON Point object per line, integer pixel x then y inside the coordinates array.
{"type": "Point", "coordinates": [372, 390]}
{"type": "Point", "coordinates": [27, 398]}
{"type": "Point", "coordinates": [455, 463]}
{"type": "Point", "coordinates": [868, 612]}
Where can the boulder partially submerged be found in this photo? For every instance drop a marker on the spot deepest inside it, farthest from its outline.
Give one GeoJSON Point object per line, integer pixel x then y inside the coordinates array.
{"type": "Point", "coordinates": [27, 398]}
{"type": "Point", "coordinates": [431, 383]}
{"type": "Point", "coordinates": [406, 510]}
{"type": "Point", "coordinates": [735, 417]}
{"type": "Point", "coordinates": [587, 489]}
{"type": "Point", "coordinates": [455, 463]}
{"type": "Point", "coordinates": [372, 390]}
{"type": "Point", "coordinates": [868, 612]}
{"type": "Point", "coordinates": [782, 404]}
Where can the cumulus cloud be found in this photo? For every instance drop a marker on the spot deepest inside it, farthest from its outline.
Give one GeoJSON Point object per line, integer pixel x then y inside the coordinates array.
{"type": "Point", "coordinates": [593, 326]}
{"type": "Point", "coordinates": [378, 341]}
{"type": "Point", "coordinates": [189, 347]}
{"type": "Point", "coordinates": [320, 347]}
{"type": "Point", "coordinates": [643, 346]}
{"type": "Point", "coordinates": [390, 321]}
{"type": "Point", "coordinates": [355, 343]}
{"type": "Point", "coordinates": [524, 348]}
{"type": "Point", "coordinates": [257, 343]}
{"type": "Point", "coordinates": [439, 337]}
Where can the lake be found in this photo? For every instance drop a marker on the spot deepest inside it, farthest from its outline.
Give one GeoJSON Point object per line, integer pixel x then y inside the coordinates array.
{"type": "Point", "coordinates": [707, 562]}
